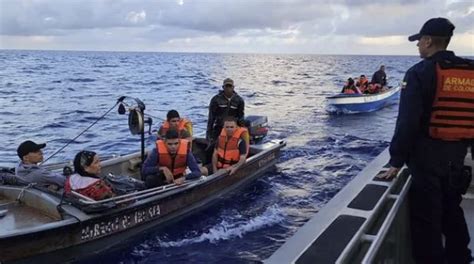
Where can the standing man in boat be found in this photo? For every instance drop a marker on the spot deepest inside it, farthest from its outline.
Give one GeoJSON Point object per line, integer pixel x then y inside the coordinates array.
{"type": "Point", "coordinates": [31, 155]}
{"type": "Point", "coordinates": [432, 135]}
{"type": "Point", "coordinates": [226, 103]}
{"type": "Point", "coordinates": [232, 147]}
{"type": "Point", "coordinates": [167, 163]}
{"type": "Point", "coordinates": [380, 77]}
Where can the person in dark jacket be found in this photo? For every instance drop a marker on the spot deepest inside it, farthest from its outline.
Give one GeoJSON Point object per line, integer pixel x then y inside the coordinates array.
{"type": "Point", "coordinates": [226, 103]}
{"type": "Point", "coordinates": [380, 77]}
{"type": "Point", "coordinates": [435, 162]}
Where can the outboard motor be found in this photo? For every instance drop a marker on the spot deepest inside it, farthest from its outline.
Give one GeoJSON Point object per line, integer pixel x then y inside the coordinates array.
{"type": "Point", "coordinates": [258, 128]}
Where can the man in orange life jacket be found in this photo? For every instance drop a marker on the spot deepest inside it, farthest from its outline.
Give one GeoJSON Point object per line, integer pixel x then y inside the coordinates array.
{"type": "Point", "coordinates": [231, 148]}
{"type": "Point", "coordinates": [362, 83]}
{"type": "Point", "coordinates": [432, 134]}
{"type": "Point", "coordinates": [167, 163]}
{"type": "Point", "coordinates": [174, 121]}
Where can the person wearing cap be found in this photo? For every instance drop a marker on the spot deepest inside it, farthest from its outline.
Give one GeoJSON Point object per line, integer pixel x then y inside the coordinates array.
{"type": "Point", "coordinates": [174, 121]}
{"type": "Point", "coordinates": [31, 155]}
{"type": "Point", "coordinates": [226, 103]}
{"type": "Point", "coordinates": [434, 146]}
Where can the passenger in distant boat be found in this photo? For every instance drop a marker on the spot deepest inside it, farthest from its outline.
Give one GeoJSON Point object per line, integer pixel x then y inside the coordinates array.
{"type": "Point", "coordinates": [226, 103]}
{"type": "Point", "coordinates": [362, 84]}
{"type": "Point", "coordinates": [167, 163]}
{"type": "Point", "coordinates": [31, 155]}
{"type": "Point", "coordinates": [174, 121]}
{"type": "Point", "coordinates": [232, 147]}
{"type": "Point", "coordinates": [86, 179]}
{"type": "Point", "coordinates": [432, 137]}
{"type": "Point", "coordinates": [350, 87]}
{"type": "Point", "coordinates": [373, 88]}
{"type": "Point", "coordinates": [380, 77]}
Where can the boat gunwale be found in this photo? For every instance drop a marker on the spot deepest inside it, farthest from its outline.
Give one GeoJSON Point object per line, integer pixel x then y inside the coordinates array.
{"type": "Point", "coordinates": [352, 96]}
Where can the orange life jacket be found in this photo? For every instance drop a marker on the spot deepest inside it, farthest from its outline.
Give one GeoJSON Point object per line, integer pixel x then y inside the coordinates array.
{"type": "Point", "coordinates": [452, 116]}
{"type": "Point", "coordinates": [228, 152]}
{"type": "Point", "coordinates": [177, 164]}
{"type": "Point", "coordinates": [184, 124]}
{"type": "Point", "coordinates": [362, 83]}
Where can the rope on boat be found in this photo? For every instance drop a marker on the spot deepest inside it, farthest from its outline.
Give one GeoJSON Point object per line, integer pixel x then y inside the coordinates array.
{"type": "Point", "coordinates": [91, 125]}
{"type": "Point", "coordinates": [22, 192]}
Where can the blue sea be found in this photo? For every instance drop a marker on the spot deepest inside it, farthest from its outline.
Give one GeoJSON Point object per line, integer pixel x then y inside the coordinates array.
{"type": "Point", "coordinates": [52, 96]}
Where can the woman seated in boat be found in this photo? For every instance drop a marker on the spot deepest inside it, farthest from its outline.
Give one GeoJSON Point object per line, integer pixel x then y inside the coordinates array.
{"type": "Point", "coordinates": [350, 87]}
{"type": "Point", "coordinates": [362, 84]}
{"type": "Point", "coordinates": [86, 180]}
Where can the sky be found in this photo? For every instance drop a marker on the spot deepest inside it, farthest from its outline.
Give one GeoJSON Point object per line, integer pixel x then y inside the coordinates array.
{"type": "Point", "coordinates": [373, 27]}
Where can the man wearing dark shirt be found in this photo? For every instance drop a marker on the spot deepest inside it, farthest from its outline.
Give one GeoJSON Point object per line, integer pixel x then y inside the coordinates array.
{"type": "Point", "coordinates": [380, 77]}
{"type": "Point", "coordinates": [435, 162]}
{"type": "Point", "coordinates": [226, 103]}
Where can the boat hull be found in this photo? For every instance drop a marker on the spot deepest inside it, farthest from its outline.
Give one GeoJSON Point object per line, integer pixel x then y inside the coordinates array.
{"type": "Point", "coordinates": [350, 103]}
{"type": "Point", "coordinates": [81, 235]}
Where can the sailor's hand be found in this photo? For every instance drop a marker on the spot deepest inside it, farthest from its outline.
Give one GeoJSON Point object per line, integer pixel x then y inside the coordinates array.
{"type": "Point", "coordinates": [179, 181]}
{"type": "Point", "coordinates": [390, 174]}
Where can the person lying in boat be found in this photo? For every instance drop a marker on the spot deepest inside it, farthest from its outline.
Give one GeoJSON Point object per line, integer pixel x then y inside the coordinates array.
{"type": "Point", "coordinates": [362, 84]}
{"type": "Point", "coordinates": [232, 147]}
{"type": "Point", "coordinates": [31, 155]}
{"type": "Point", "coordinates": [167, 162]}
{"type": "Point", "coordinates": [86, 180]}
{"type": "Point", "coordinates": [350, 88]}
{"type": "Point", "coordinates": [174, 121]}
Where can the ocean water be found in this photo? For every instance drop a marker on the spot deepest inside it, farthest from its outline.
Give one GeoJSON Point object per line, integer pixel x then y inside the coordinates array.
{"type": "Point", "coordinates": [52, 96]}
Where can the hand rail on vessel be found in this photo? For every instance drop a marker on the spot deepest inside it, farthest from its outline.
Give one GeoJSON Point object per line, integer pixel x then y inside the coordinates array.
{"type": "Point", "coordinates": [377, 239]}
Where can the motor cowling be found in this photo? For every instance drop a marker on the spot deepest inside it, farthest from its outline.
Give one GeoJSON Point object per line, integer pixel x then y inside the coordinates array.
{"type": "Point", "coordinates": [258, 128]}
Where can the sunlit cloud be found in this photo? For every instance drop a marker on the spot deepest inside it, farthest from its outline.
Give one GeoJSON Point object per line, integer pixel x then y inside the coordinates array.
{"type": "Point", "coordinates": [387, 41]}
{"type": "Point", "coordinates": [136, 17]}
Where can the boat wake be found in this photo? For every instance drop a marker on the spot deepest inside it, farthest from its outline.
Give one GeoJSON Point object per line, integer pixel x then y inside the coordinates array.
{"type": "Point", "coordinates": [232, 226]}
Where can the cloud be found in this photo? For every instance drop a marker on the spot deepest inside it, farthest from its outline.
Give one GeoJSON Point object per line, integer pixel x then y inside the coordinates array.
{"type": "Point", "coordinates": [247, 26]}
{"type": "Point", "coordinates": [136, 17]}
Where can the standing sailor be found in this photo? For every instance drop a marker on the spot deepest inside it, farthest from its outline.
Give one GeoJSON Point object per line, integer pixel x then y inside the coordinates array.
{"type": "Point", "coordinates": [434, 127]}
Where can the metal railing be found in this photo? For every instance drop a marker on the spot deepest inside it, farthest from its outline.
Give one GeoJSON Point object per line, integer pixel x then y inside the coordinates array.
{"type": "Point", "coordinates": [376, 240]}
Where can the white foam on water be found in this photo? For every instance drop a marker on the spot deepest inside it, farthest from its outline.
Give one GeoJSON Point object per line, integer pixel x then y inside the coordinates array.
{"type": "Point", "coordinates": [226, 230]}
